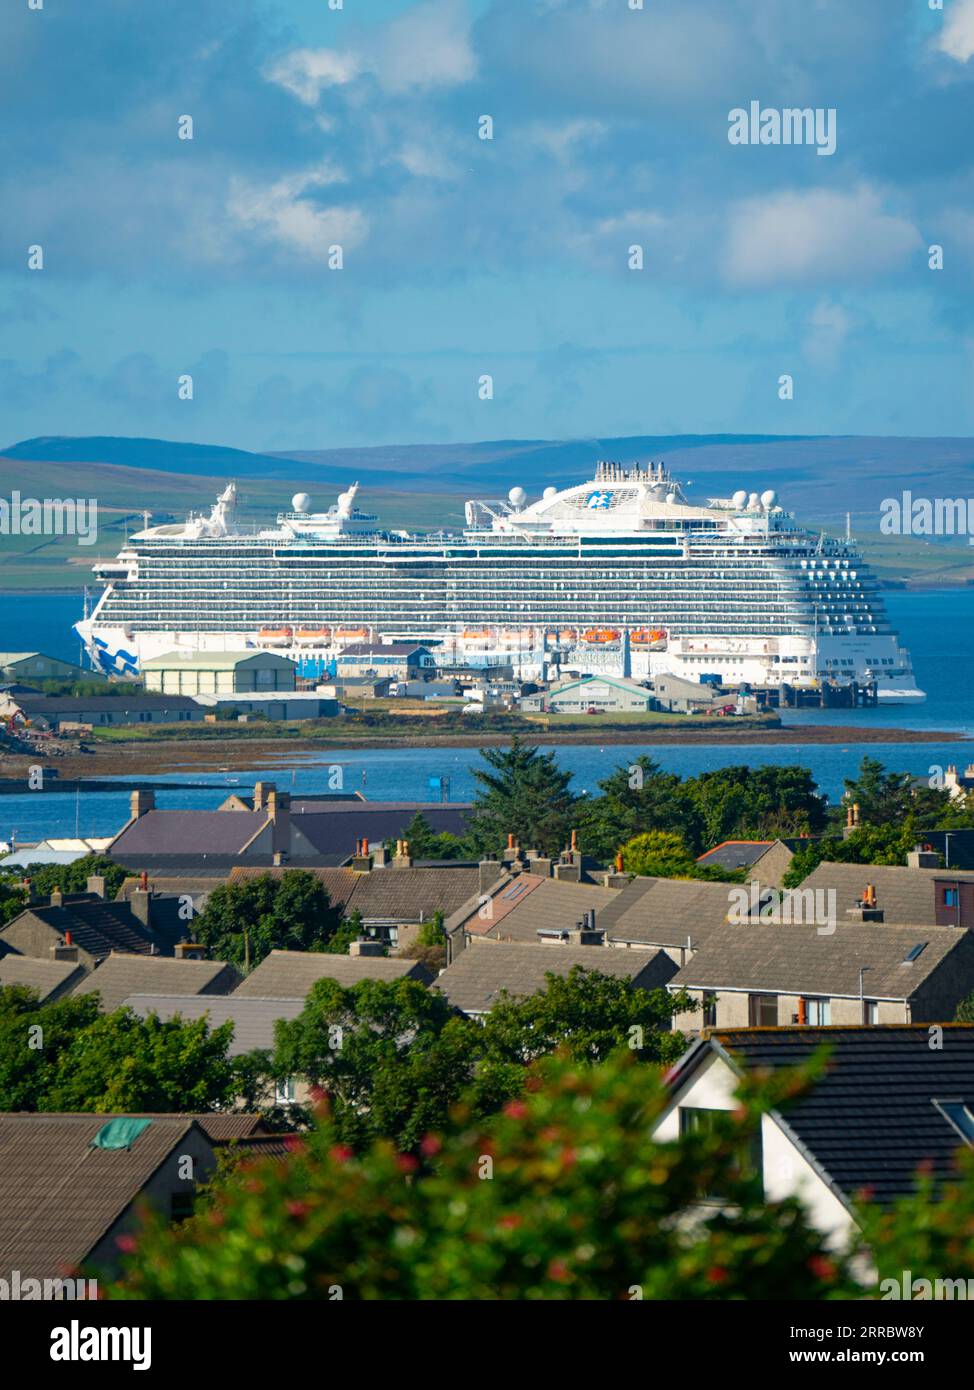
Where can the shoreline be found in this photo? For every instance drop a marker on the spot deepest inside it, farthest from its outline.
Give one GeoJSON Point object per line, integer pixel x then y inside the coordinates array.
{"type": "Point", "coordinates": [233, 755]}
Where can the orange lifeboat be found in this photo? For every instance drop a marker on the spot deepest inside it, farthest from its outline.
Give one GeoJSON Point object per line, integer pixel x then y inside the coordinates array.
{"type": "Point", "coordinates": [280, 636]}
{"type": "Point", "coordinates": [351, 634]}
{"type": "Point", "coordinates": [600, 635]}
{"type": "Point", "coordinates": [647, 636]}
{"type": "Point", "coordinates": [476, 634]}
{"type": "Point", "coordinates": [313, 634]}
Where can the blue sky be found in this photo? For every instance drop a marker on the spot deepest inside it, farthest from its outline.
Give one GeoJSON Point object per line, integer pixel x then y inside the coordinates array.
{"type": "Point", "coordinates": [464, 257]}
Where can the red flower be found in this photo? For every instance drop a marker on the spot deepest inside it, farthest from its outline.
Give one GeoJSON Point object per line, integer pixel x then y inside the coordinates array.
{"type": "Point", "coordinates": [298, 1210]}
{"type": "Point", "coordinates": [516, 1109]}
{"type": "Point", "coordinates": [407, 1163]}
{"type": "Point", "coordinates": [127, 1244]}
{"type": "Point", "coordinates": [294, 1145]}
{"type": "Point", "coordinates": [430, 1144]}
{"type": "Point", "coordinates": [341, 1153]}
{"type": "Point", "coordinates": [569, 1157]}
{"type": "Point", "coordinates": [716, 1274]}
{"type": "Point", "coordinates": [510, 1222]}
{"type": "Point", "coordinates": [559, 1271]}
{"type": "Point", "coordinates": [821, 1267]}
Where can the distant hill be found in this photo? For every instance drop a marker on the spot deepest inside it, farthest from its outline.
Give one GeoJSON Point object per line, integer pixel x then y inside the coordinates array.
{"type": "Point", "coordinates": [820, 478]}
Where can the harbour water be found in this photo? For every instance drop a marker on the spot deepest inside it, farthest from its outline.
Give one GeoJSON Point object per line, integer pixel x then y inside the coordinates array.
{"type": "Point", "coordinates": [934, 624]}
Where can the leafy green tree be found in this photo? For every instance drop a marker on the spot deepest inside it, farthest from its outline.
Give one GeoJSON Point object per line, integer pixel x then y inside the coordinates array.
{"type": "Point", "coordinates": [33, 1041]}
{"type": "Point", "coordinates": [965, 1010]}
{"type": "Point", "coordinates": [352, 929]}
{"type": "Point", "coordinates": [658, 854]}
{"type": "Point", "coordinates": [243, 922]}
{"type": "Point", "coordinates": [73, 878]}
{"type": "Point", "coordinates": [427, 843]}
{"type": "Point", "coordinates": [522, 792]}
{"type": "Point", "coordinates": [869, 844]}
{"type": "Point", "coordinates": [888, 798]}
{"type": "Point", "coordinates": [757, 803]}
{"type": "Point", "coordinates": [584, 1204]}
{"type": "Point", "coordinates": [634, 800]}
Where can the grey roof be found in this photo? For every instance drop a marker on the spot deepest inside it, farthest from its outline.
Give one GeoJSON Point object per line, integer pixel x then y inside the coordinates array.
{"type": "Point", "coordinates": [121, 975]}
{"type": "Point", "coordinates": [478, 976]}
{"type": "Point", "coordinates": [357, 649]}
{"type": "Point", "coordinates": [904, 895]}
{"type": "Point", "coordinates": [253, 1018]}
{"type": "Point", "coordinates": [50, 978]}
{"type": "Point", "coordinates": [665, 911]}
{"type": "Point", "coordinates": [530, 903]}
{"type": "Point", "coordinates": [870, 1121]}
{"type": "Point", "coordinates": [392, 894]}
{"type": "Point", "coordinates": [175, 884]}
{"type": "Point", "coordinates": [212, 661]}
{"type": "Point", "coordinates": [798, 959]}
{"type": "Point", "coordinates": [188, 832]}
{"type": "Point", "coordinates": [97, 704]}
{"type": "Point", "coordinates": [334, 829]}
{"type": "Point", "coordinates": [291, 974]}
{"type": "Point", "coordinates": [60, 1196]}
{"type": "Point", "coordinates": [734, 854]}
{"type": "Point", "coordinates": [96, 926]}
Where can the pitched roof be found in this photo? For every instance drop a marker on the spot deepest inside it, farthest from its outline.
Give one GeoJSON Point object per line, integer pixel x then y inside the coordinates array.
{"type": "Point", "coordinates": [530, 903]}
{"type": "Point", "coordinates": [50, 978]}
{"type": "Point", "coordinates": [253, 1018]}
{"type": "Point", "coordinates": [121, 975]}
{"type": "Point", "coordinates": [870, 1121]}
{"type": "Point", "coordinates": [212, 661]}
{"type": "Point", "coordinates": [176, 884]}
{"type": "Point", "coordinates": [904, 895]}
{"type": "Point", "coordinates": [799, 959]}
{"type": "Point", "coordinates": [665, 911]}
{"type": "Point", "coordinates": [97, 927]}
{"type": "Point", "coordinates": [479, 975]}
{"type": "Point", "coordinates": [60, 1196]}
{"type": "Point", "coordinates": [734, 854]}
{"type": "Point", "coordinates": [188, 832]}
{"type": "Point", "coordinates": [404, 895]}
{"type": "Point", "coordinates": [334, 829]}
{"type": "Point", "coordinates": [291, 974]}
{"type": "Point", "coordinates": [356, 649]}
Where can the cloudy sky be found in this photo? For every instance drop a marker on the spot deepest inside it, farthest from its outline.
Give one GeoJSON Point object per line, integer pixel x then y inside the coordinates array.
{"type": "Point", "coordinates": [358, 127]}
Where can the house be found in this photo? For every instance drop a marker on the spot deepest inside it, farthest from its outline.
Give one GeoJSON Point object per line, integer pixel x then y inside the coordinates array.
{"type": "Point", "coordinates": [766, 861]}
{"type": "Point", "coordinates": [184, 887]}
{"type": "Point", "coordinates": [677, 695]}
{"type": "Point", "coordinates": [672, 914]}
{"type": "Point", "coordinates": [219, 673]}
{"type": "Point", "coordinates": [52, 713]}
{"type": "Point", "coordinates": [920, 893]}
{"type": "Point", "coordinates": [253, 1018]}
{"type": "Point", "coordinates": [121, 975]}
{"type": "Point", "coordinates": [87, 932]}
{"type": "Point", "coordinates": [888, 1104]}
{"type": "Point", "coordinates": [73, 1184]}
{"type": "Point", "coordinates": [604, 694]}
{"type": "Point", "coordinates": [37, 666]}
{"type": "Point", "coordinates": [479, 976]}
{"type": "Point", "coordinates": [234, 834]}
{"type": "Point", "coordinates": [296, 704]}
{"type": "Point", "coordinates": [397, 661]}
{"type": "Point", "coordinates": [958, 784]}
{"type": "Point", "coordinates": [49, 979]}
{"type": "Point", "coordinates": [392, 901]}
{"type": "Point", "coordinates": [291, 974]}
{"type": "Point", "coordinates": [528, 908]}
{"type": "Point", "coordinates": [761, 975]}
{"type": "Point", "coordinates": [336, 828]}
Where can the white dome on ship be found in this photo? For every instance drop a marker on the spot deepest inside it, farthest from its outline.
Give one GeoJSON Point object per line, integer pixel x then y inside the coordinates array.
{"type": "Point", "coordinates": [301, 502]}
{"type": "Point", "coordinates": [768, 499]}
{"type": "Point", "coordinates": [753, 500]}
{"type": "Point", "coordinates": [549, 492]}
{"type": "Point", "coordinates": [739, 498]}
{"type": "Point", "coordinates": [670, 498]}
{"type": "Point", "coordinates": [517, 497]}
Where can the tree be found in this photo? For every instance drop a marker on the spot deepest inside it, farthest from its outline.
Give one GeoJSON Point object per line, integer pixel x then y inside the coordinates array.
{"type": "Point", "coordinates": [636, 799]}
{"type": "Point", "coordinates": [524, 793]}
{"type": "Point", "coordinates": [758, 803]}
{"type": "Point", "coordinates": [73, 878]}
{"type": "Point", "coordinates": [869, 844]}
{"type": "Point", "coordinates": [658, 854]}
{"type": "Point", "coordinates": [243, 922]}
{"type": "Point", "coordinates": [67, 1056]}
{"type": "Point", "coordinates": [563, 1195]}
{"type": "Point", "coordinates": [427, 843]}
{"type": "Point", "coordinates": [430, 945]}
{"type": "Point", "coordinates": [887, 798]}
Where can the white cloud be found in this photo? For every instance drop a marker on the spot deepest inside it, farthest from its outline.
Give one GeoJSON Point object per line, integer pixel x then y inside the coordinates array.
{"type": "Point", "coordinates": [428, 46]}
{"type": "Point", "coordinates": [799, 237]}
{"type": "Point", "coordinates": [957, 35]}
{"type": "Point", "coordinates": [284, 213]}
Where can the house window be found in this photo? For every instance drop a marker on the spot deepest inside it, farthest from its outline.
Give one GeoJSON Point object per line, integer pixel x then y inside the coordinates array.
{"type": "Point", "coordinates": [285, 1091]}
{"type": "Point", "coordinates": [709, 1010]}
{"type": "Point", "coordinates": [695, 1120]}
{"type": "Point", "coordinates": [819, 1012]}
{"type": "Point", "coordinates": [181, 1205]}
{"type": "Point", "coordinates": [960, 1116]}
{"type": "Point", "coordinates": [763, 1010]}
{"type": "Point", "coordinates": [950, 897]}
{"type": "Point", "coordinates": [870, 1011]}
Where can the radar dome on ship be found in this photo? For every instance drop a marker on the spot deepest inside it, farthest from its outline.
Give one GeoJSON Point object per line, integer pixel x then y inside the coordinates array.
{"type": "Point", "coordinates": [753, 499]}
{"type": "Point", "coordinates": [739, 498]}
{"type": "Point", "coordinates": [517, 497]}
{"type": "Point", "coordinates": [549, 492]}
{"type": "Point", "coordinates": [768, 499]}
{"type": "Point", "coordinates": [670, 498]}
{"type": "Point", "coordinates": [301, 502]}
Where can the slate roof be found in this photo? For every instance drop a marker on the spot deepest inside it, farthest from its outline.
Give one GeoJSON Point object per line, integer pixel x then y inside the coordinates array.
{"type": "Point", "coordinates": [291, 974]}
{"type": "Point", "coordinates": [530, 903]}
{"type": "Point", "coordinates": [173, 884]}
{"type": "Point", "coordinates": [97, 927]}
{"type": "Point", "coordinates": [66, 705]}
{"type": "Point", "coordinates": [59, 1195]}
{"type": "Point", "coordinates": [403, 895]}
{"type": "Point", "coordinates": [50, 978]}
{"type": "Point", "coordinates": [905, 895]}
{"type": "Point", "coordinates": [734, 854]}
{"type": "Point", "coordinates": [253, 1018]}
{"type": "Point", "coordinates": [188, 832]}
{"type": "Point", "coordinates": [665, 911]}
{"type": "Point", "coordinates": [475, 980]}
{"type": "Point", "coordinates": [213, 866]}
{"type": "Point", "coordinates": [334, 829]}
{"type": "Point", "coordinates": [798, 959]}
{"type": "Point", "coordinates": [120, 975]}
{"type": "Point", "coordinates": [870, 1121]}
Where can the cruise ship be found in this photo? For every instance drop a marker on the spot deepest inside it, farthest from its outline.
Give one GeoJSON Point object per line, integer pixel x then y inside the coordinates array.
{"type": "Point", "coordinates": [618, 575]}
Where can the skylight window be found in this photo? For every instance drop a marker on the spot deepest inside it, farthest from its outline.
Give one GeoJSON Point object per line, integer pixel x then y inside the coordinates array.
{"type": "Point", "coordinates": [958, 1113]}
{"type": "Point", "coordinates": [914, 951]}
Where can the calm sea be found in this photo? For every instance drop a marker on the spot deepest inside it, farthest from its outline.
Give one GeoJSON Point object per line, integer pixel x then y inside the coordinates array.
{"type": "Point", "coordinates": [935, 625]}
